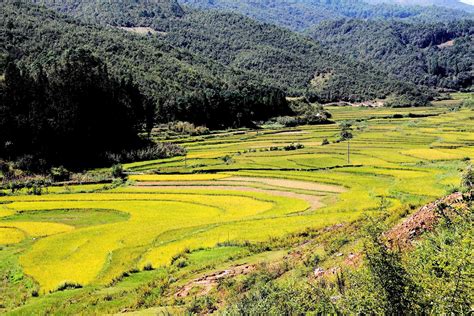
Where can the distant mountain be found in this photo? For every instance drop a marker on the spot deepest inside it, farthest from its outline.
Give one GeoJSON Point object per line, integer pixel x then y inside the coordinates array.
{"type": "Point", "coordinates": [300, 15]}
{"type": "Point", "coordinates": [452, 4]}
{"type": "Point", "coordinates": [437, 55]}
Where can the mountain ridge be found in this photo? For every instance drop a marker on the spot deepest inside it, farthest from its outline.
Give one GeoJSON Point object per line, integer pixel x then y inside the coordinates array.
{"type": "Point", "coordinates": [304, 14]}
{"type": "Point", "coordinates": [227, 50]}
{"type": "Point", "coordinates": [452, 4]}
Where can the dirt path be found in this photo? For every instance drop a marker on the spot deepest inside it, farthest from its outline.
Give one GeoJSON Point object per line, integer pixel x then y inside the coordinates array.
{"type": "Point", "coordinates": [207, 282]}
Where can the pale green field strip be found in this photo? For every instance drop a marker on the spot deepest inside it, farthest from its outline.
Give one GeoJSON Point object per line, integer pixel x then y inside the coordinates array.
{"type": "Point", "coordinates": [228, 184]}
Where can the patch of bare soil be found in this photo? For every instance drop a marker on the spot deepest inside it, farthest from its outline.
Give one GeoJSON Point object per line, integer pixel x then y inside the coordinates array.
{"type": "Point", "coordinates": [207, 282]}
{"type": "Point", "coordinates": [403, 234]}
{"type": "Point", "coordinates": [139, 30]}
{"type": "Point", "coordinates": [446, 44]}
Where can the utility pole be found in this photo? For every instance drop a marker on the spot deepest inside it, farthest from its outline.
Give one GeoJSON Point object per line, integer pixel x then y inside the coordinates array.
{"type": "Point", "coordinates": [346, 134]}
{"type": "Point", "coordinates": [348, 151]}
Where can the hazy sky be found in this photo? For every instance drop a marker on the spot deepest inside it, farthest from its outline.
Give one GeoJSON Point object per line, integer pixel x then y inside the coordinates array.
{"type": "Point", "coordinates": [468, 1]}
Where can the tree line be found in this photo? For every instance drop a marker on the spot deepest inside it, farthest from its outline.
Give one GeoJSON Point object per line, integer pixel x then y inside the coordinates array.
{"type": "Point", "coordinates": [71, 114]}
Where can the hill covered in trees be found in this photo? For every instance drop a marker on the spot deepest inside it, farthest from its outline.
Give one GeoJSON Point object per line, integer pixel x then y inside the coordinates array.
{"type": "Point", "coordinates": [436, 55]}
{"type": "Point", "coordinates": [175, 79]}
{"type": "Point", "coordinates": [201, 58]}
{"type": "Point", "coordinates": [428, 46]}
{"type": "Point", "coordinates": [210, 68]}
{"type": "Point", "coordinates": [117, 13]}
{"type": "Point", "coordinates": [71, 116]}
{"type": "Point", "coordinates": [303, 14]}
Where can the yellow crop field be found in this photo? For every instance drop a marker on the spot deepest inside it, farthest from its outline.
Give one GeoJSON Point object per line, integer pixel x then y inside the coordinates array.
{"type": "Point", "coordinates": [152, 214]}
{"type": "Point", "coordinates": [92, 237]}
{"type": "Point", "coordinates": [433, 154]}
{"type": "Point", "coordinates": [35, 229]}
{"type": "Point", "coordinates": [10, 235]}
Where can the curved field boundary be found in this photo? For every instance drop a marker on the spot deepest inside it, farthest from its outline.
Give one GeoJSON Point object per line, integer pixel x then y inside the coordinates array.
{"type": "Point", "coordinates": [81, 255]}
{"type": "Point", "coordinates": [292, 184]}
{"type": "Point", "coordinates": [314, 201]}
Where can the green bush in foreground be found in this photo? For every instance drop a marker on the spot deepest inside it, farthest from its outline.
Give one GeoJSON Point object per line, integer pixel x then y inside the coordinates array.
{"type": "Point", "coordinates": [434, 278]}
{"type": "Point", "coordinates": [467, 179]}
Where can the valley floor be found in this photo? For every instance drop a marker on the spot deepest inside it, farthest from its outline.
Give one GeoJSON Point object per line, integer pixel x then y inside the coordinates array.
{"type": "Point", "coordinates": [239, 200]}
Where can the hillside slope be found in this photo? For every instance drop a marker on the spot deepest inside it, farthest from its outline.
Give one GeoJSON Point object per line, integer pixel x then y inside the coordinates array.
{"type": "Point", "coordinates": [117, 13]}
{"type": "Point", "coordinates": [200, 57]}
{"type": "Point", "coordinates": [289, 61]}
{"type": "Point", "coordinates": [174, 78]}
{"type": "Point", "coordinates": [437, 55]}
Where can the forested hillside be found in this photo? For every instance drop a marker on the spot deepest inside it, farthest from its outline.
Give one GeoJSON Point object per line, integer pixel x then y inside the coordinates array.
{"type": "Point", "coordinates": [289, 61]}
{"type": "Point", "coordinates": [206, 64]}
{"type": "Point", "coordinates": [174, 78]}
{"type": "Point", "coordinates": [118, 13]}
{"type": "Point", "coordinates": [437, 55]}
{"type": "Point", "coordinates": [303, 14]}
{"type": "Point", "coordinates": [71, 116]}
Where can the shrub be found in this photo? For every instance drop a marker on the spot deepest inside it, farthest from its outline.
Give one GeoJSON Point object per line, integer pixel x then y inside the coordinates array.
{"type": "Point", "coordinates": [315, 115]}
{"type": "Point", "coordinates": [118, 172]}
{"type": "Point", "coordinates": [202, 305]}
{"type": "Point", "coordinates": [60, 174]}
{"type": "Point", "coordinates": [289, 298]}
{"type": "Point", "coordinates": [32, 164]}
{"type": "Point", "coordinates": [312, 261]}
{"type": "Point", "coordinates": [335, 243]}
{"type": "Point", "coordinates": [389, 274]}
{"type": "Point", "coordinates": [293, 147]}
{"type": "Point", "coordinates": [35, 189]}
{"type": "Point", "coordinates": [467, 179]}
{"type": "Point", "coordinates": [468, 103]}
{"type": "Point", "coordinates": [442, 266]}
{"type": "Point", "coordinates": [227, 159]}
{"type": "Point", "coordinates": [187, 128]}
{"type": "Point", "coordinates": [181, 262]}
{"type": "Point", "coordinates": [325, 142]}
{"type": "Point", "coordinates": [68, 286]}
{"type": "Point", "coordinates": [157, 151]}
{"type": "Point", "coordinates": [287, 121]}
{"type": "Point", "coordinates": [148, 267]}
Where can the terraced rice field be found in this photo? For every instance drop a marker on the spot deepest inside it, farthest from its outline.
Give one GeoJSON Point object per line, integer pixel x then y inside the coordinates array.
{"type": "Point", "coordinates": [232, 188]}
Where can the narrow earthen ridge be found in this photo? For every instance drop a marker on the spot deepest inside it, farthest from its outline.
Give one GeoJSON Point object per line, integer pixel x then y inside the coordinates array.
{"type": "Point", "coordinates": [403, 234]}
